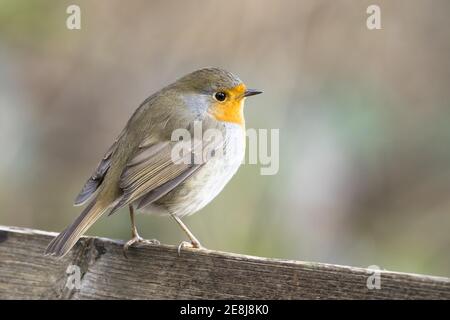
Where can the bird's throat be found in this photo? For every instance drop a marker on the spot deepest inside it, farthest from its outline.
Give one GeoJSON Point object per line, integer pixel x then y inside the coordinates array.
{"type": "Point", "coordinates": [231, 111]}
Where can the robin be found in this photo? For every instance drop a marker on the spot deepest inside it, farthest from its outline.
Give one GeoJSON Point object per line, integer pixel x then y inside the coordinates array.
{"type": "Point", "coordinates": [141, 170]}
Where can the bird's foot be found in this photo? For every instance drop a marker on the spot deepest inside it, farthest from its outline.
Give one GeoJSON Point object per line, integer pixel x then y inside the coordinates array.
{"type": "Point", "coordinates": [138, 239]}
{"type": "Point", "coordinates": [192, 245]}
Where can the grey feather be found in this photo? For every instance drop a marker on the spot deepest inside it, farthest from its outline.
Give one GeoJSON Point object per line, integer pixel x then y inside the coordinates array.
{"type": "Point", "coordinates": [57, 246]}
{"type": "Point", "coordinates": [161, 191]}
{"type": "Point", "coordinates": [96, 178]}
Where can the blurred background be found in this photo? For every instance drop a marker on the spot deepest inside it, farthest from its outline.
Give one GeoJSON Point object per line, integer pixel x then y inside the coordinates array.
{"type": "Point", "coordinates": [364, 119]}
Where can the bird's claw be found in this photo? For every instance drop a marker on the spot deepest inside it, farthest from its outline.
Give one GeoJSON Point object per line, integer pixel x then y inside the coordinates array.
{"type": "Point", "coordinates": [138, 239]}
{"type": "Point", "coordinates": [186, 244]}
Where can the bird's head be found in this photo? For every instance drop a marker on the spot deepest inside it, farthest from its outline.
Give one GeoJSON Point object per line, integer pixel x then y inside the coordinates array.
{"type": "Point", "coordinates": [217, 93]}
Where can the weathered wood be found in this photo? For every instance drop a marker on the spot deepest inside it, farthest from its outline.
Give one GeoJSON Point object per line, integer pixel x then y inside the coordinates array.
{"type": "Point", "coordinates": [157, 272]}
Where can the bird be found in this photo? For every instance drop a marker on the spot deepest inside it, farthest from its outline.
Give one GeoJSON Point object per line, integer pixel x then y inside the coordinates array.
{"type": "Point", "coordinates": [148, 170]}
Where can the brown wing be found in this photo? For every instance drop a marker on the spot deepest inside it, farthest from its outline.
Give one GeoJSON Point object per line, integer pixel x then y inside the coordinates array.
{"type": "Point", "coordinates": [96, 178]}
{"type": "Point", "coordinates": [156, 170]}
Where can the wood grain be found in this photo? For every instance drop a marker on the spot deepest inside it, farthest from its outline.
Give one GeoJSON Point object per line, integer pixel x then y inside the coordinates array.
{"type": "Point", "coordinates": [157, 272]}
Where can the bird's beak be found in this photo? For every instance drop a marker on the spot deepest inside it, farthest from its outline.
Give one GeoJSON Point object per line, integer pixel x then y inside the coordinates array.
{"type": "Point", "coordinates": [251, 92]}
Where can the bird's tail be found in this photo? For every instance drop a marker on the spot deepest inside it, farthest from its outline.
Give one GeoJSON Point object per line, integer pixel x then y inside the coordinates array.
{"type": "Point", "coordinates": [67, 238]}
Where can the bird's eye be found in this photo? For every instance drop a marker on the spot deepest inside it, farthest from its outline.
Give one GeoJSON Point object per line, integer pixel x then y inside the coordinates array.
{"type": "Point", "coordinates": [220, 96]}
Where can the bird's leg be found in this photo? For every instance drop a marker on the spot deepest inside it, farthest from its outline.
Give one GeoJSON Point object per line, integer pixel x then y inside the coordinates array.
{"type": "Point", "coordinates": [134, 232]}
{"type": "Point", "coordinates": [194, 241]}
{"type": "Point", "coordinates": [135, 237]}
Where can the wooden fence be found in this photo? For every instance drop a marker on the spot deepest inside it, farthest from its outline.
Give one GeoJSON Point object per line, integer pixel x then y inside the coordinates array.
{"type": "Point", "coordinates": [97, 269]}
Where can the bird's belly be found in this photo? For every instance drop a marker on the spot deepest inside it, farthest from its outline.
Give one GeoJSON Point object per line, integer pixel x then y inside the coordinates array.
{"type": "Point", "coordinates": [205, 184]}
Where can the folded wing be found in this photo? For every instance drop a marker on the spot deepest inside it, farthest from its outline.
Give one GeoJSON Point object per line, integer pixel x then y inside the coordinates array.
{"type": "Point", "coordinates": [157, 169]}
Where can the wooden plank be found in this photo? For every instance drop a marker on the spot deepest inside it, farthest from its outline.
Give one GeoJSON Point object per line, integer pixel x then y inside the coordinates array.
{"type": "Point", "coordinates": [157, 272]}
